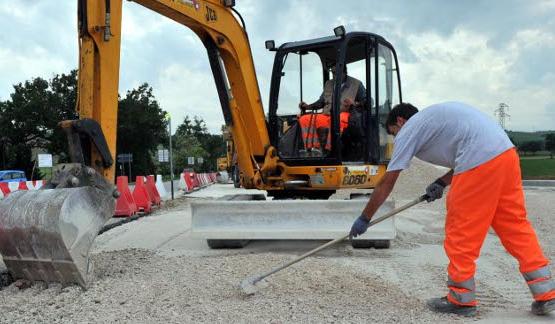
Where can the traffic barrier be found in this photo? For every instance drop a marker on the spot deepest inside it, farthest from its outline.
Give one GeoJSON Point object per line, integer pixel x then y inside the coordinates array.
{"type": "Point", "coordinates": [140, 195]}
{"type": "Point", "coordinates": [4, 189]}
{"type": "Point", "coordinates": [189, 178]}
{"type": "Point", "coordinates": [9, 187]}
{"type": "Point", "coordinates": [196, 183]}
{"type": "Point", "coordinates": [182, 185]}
{"type": "Point", "coordinates": [152, 191]}
{"type": "Point", "coordinates": [125, 205]}
{"type": "Point", "coordinates": [201, 180]}
{"type": "Point", "coordinates": [160, 187]}
{"type": "Point", "coordinates": [35, 184]}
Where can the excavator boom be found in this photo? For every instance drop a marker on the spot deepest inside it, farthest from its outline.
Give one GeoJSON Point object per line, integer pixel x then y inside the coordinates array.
{"type": "Point", "coordinates": [47, 234]}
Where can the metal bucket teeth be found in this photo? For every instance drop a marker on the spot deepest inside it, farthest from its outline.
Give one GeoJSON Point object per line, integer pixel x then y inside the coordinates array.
{"type": "Point", "coordinates": [46, 235]}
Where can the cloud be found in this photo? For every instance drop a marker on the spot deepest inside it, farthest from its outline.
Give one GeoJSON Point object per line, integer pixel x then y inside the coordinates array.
{"type": "Point", "coordinates": [481, 52]}
{"type": "Point", "coordinates": [184, 92]}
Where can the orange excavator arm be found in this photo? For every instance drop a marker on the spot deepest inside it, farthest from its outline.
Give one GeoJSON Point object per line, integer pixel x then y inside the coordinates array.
{"type": "Point", "coordinates": [227, 44]}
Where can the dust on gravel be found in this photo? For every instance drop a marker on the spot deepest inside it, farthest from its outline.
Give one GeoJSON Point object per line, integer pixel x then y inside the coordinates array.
{"type": "Point", "coordinates": [141, 286]}
{"type": "Point", "coordinates": [340, 285]}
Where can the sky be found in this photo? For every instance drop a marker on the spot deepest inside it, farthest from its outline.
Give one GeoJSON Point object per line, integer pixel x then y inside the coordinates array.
{"type": "Point", "coordinates": [480, 52]}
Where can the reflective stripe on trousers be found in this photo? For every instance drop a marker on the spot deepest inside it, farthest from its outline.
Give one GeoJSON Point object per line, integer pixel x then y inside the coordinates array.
{"type": "Point", "coordinates": [490, 195]}
{"type": "Point", "coordinates": [540, 283]}
{"type": "Point", "coordinates": [462, 293]}
{"type": "Point", "coordinates": [309, 124]}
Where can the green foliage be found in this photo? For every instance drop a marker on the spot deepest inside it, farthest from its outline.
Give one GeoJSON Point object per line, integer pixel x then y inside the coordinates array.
{"type": "Point", "coordinates": [531, 147]}
{"type": "Point", "coordinates": [550, 143]}
{"type": "Point", "coordinates": [31, 115]}
{"type": "Point", "coordinates": [141, 127]}
{"type": "Point", "coordinates": [538, 168]}
{"type": "Point", "coordinates": [520, 137]}
{"type": "Point", "coordinates": [211, 146]}
{"type": "Point", "coordinates": [37, 106]}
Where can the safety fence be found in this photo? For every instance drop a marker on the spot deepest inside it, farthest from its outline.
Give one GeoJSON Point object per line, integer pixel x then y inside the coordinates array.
{"type": "Point", "coordinates": [191, 181]}
{"type": "Point", "coordinates": [146, 194]}
{"type": "Point", "coordinates": [8, 187]}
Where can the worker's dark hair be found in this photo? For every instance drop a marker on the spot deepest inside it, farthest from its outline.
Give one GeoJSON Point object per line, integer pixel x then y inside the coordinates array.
{"type": "Point", "coordinates": [404, 110]}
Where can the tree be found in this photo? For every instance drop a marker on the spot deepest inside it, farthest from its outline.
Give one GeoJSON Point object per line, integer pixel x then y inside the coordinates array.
{"type": "Point", "coordinates": [213, 145]}
{"type": "Point", "coordinates": [550, 143]}
{"type": "Point", "coordinates": [141, 127]}
{"type": "Point", "coordinates": [31, 115]}
{"type": "Point", "coordinates": [531, 146]}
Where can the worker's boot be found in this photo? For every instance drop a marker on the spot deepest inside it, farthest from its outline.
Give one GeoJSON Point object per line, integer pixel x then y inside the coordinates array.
{"type": "Point", "coordinates": [543, 307]}
{"type": "Point", "coordinates": [316, 152]}
{"type": "Point", "coordinates": [443, 305]}
{"type": "Point", "coordinates": [303, 153]}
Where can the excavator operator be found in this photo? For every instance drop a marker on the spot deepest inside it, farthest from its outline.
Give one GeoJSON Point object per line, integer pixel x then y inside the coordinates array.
{"type": "Point", "coordinates": [316, 125]}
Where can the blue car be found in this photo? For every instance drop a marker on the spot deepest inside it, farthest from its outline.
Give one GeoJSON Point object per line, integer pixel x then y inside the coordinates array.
{"type": "Point", "coordinates": [12, 176]}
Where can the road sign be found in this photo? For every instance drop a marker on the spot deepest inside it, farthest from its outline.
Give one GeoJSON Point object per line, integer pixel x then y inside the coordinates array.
{"type": "Point", "coordinates": [163, 156]}
{"type": "Point", "coordinates": [191, 160]}
{"type": "Point", "coordinates": [125, 157]}
{"type": "Point", "coordinates": [45, 160]}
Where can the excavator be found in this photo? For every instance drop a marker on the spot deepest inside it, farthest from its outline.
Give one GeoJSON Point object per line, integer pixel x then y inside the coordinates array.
{"type": "Point", "coordinates": [47, 234]}
{"type": "Point", "coordinates": [227, 165]}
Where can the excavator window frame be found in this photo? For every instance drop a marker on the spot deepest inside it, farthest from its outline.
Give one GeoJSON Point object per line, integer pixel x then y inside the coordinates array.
{"type": "Point", "coordinates": [340, 46]}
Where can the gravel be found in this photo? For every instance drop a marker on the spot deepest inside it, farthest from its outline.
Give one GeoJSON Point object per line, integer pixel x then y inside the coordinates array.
{"type": "Point", "coordinates": [339, 285]}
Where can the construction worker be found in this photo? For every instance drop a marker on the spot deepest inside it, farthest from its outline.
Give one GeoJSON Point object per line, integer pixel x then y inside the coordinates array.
{"type": "Point", "coordinates": [353, 95]}
{"type": "Point", "coordinates": [486, 191]}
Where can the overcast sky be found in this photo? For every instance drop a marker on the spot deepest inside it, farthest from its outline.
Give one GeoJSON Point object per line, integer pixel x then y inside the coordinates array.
{"type": "Point", "coordinates": [479, 52]}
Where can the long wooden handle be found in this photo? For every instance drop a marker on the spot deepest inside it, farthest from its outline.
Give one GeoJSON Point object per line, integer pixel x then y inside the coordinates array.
{"type": "Point", "coordinates": [337, 240]}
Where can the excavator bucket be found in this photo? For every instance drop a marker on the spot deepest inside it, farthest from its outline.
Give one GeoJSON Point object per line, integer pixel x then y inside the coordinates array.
{"type": "Point", "coordinates": [46, 234]}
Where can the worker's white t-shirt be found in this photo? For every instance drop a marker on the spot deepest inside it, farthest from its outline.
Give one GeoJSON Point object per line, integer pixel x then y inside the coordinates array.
{"type": "Point", "coordinates": [450, 134]}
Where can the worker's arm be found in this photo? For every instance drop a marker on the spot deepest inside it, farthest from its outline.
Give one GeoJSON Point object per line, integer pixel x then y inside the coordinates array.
{"type": "Point", "coordinates": [380, 194]}
{"type": "Point", "coordinates": [448, 177]}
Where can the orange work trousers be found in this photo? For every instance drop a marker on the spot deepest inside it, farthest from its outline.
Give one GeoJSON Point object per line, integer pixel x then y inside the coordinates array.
{"type": "Point", "coordinates": [489, 195]}
{"type": "Point", "coordinates": [311, 122]}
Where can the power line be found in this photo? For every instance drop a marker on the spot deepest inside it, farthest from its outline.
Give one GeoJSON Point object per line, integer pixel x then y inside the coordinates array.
{"type": "Point", "coordinates": [502, 114]}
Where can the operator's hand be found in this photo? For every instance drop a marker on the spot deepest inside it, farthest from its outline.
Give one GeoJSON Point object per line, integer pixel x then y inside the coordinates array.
{"type": "Point", "coordinates": [303, 105]}
{"type": "Point", "coordinates": [348, 102]}
{"type": "Point", "coordinates": [435, 190]}
{"type": "Point", "coordinates": [359, 226]}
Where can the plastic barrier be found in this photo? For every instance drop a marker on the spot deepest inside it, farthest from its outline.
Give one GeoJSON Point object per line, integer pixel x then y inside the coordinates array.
{"type": "Point", "coordinates": [9, 187]}
{"type": "Point", "coordinates": [125, 205]}
{"type": "Point", "coordinates": [196, 184]}
{"type": "Point", "coordinates": [140, 195]}
{"type": "Point", "coordinates": [4, 190]}
{"type": "Point", "coordinates": [152, 191]}
{"type": "Point", "coordinates": [189, 178]}
{"type": "Point", "coordinates": [35, 185]}
{"type": "Point", "coordinates": [160, 187]}
{"type": "Point", "coordinates": [182, 185]}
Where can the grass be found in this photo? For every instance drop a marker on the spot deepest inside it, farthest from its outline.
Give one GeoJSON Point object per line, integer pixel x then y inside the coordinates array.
{"type": "Point", "coordinates": [537, 168]}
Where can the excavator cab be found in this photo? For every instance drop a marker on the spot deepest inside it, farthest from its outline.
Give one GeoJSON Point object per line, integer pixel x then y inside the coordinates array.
{"type": "Point", "coordinates": [300, 73]}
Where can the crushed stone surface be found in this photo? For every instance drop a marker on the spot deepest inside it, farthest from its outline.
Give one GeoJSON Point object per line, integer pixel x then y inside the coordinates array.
{"type": "Point", "coordinates": [338, 285]}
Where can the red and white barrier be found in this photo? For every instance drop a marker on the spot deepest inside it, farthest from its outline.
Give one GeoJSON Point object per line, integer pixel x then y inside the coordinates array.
{"type": "Point", "coordinates": [152, 191]}
{"type": "Point", "coordinates": [160, 187]}
{"type": "Point", "coordinates": [9, 187]}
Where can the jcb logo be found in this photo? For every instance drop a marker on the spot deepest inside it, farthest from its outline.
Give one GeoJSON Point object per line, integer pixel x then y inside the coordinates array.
{"type": "Point", "coordinates": [211, 15]}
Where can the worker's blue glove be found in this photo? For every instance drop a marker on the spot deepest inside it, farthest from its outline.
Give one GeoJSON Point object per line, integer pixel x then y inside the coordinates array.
{"type": "Point", "coordinates": [435, 190]}
{"type": "Point", "coordinates": [359, 226]}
